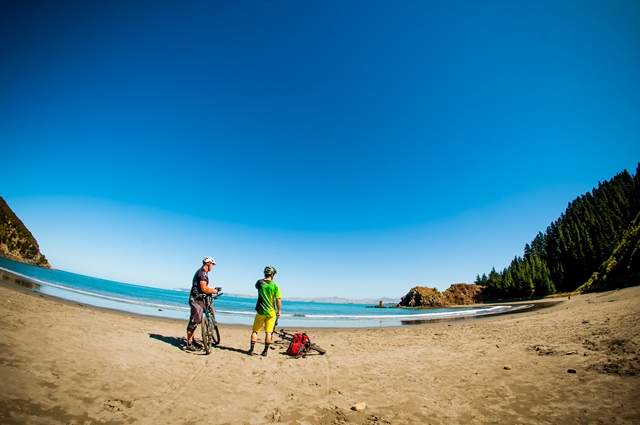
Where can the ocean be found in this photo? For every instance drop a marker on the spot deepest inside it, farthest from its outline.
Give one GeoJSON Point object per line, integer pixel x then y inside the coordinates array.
{"type": "Point", "coordinates": [230, 309]}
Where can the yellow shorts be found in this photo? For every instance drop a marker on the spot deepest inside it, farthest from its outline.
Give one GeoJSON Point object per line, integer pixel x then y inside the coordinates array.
{"type": "Point", "coordinates": [267, 321]}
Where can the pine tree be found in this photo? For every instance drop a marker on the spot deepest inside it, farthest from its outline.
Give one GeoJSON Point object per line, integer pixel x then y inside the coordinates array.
{"type": "Point", "coordinates": [575, 245]}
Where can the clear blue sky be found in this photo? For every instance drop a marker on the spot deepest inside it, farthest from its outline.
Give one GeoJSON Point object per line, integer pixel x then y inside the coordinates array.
{"type": "Point", "coordinates": [360, 147]}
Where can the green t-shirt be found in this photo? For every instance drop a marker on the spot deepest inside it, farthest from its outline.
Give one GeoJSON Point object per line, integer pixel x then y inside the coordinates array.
{"type": "Point", "coordinates": [268, 290]}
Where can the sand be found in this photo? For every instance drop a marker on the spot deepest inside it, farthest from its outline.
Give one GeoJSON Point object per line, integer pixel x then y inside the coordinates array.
{"type": "Point", "coordinates": [574, 363]}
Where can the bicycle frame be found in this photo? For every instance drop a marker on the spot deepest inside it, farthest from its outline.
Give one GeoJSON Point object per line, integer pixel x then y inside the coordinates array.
{"type": "Point", "coordinates": [210, 331]}
{"type": "Point", "coordinates": [289, 336]}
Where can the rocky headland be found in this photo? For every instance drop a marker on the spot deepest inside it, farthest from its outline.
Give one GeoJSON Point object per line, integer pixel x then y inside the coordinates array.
{"type": "Point", "coordinates": [16, 241]}
{"type": "Point", "coordinates": [456, 294]}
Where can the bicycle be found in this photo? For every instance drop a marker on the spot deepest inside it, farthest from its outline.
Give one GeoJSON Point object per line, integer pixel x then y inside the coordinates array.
{"type": "Point", "coordinates": [289, 336]}
{"type": "Point", "coordinates": [210, 331]}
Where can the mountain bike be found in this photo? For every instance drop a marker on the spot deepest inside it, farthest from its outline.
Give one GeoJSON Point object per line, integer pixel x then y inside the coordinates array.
{"type": "Point", "coordinates": [289, 336]}
{"type": "Point", "coordinates": [210, 331]}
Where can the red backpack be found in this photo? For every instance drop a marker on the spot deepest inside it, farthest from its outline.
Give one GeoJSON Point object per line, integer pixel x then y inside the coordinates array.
{"type": "Point", "coordinates": [299, 346]}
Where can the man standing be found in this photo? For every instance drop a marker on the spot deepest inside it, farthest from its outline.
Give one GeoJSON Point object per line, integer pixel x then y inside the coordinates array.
{"type": "Point", "coordinates": [268, 295]}
{"type": "Point", "coordinates": [199, 290]}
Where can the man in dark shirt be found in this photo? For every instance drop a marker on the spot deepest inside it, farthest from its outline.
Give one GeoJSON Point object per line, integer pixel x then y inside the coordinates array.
{"type": "Point", "coordinates": [199, 289]}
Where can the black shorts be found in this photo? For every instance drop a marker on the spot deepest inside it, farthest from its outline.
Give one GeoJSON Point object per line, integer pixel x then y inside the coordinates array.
{"type": "Point", "coordinates": [197, 307]}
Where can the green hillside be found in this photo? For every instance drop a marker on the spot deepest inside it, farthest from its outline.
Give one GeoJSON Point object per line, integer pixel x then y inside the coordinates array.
{"type": "Point", "coordinates": [622, 269]}
{"type": "Point", "coordinates": [593, 245]}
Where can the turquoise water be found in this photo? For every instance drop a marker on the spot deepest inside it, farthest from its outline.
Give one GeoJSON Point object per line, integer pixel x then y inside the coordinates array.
{"type": "Point", "coordinates": [229, 309]}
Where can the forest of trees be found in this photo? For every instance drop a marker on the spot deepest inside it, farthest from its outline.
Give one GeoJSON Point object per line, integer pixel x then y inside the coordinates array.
{"type": "Point", "coordinates": [573, 247]}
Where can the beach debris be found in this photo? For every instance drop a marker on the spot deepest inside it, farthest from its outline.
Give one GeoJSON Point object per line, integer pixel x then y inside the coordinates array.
{"type": "Point", "coordinates": [359, 407]}
{"type": "Point", "coordinates": [571, 352]}
{"type": "Point", "coordinates": [572, 371]}
{"type": "Point", "coordinates": [543, 350]}
{"type": "Point", "coordinates": [117, 405]}
{"type": "Point", "coordinates": [507, 368]}
{"type": "Point", "coordinates": [372, 419]}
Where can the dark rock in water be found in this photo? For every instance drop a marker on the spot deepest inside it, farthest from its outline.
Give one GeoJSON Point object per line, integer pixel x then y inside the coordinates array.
{"type": "Point", "coordinates": [380, 305]}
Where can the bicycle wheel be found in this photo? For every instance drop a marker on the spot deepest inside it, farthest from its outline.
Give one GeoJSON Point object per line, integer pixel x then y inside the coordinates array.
{"type": "Point", "coordinates": [206, 333]}
{"type": "Point", "coordinates": [215, 332]}
{"type": "Point", "coordinates": [318, 349]}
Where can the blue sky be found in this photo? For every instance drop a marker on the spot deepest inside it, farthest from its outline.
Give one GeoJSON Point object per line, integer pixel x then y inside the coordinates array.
{"type": "Point", "coordinates": [360, 147]}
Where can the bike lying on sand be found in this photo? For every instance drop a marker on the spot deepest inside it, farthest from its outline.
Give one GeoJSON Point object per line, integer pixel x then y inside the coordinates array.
{"type": "Point", "coordinates": [210, 331]}
{"type": "Point", "coordinates": [290, 337]}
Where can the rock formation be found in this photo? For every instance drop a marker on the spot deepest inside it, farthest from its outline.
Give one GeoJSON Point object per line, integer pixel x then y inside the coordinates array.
{"type": "Point", "coordinates": [16, 241]}
{"type": "Point", "coordinates": [463, 294]}
{"type": "Point", "coordinates": [456, 294]}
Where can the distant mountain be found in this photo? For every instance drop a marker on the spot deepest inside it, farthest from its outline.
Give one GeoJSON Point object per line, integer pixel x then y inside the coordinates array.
{"type": "Point", "coordinates": [16, 241]}
{"type": "Point", "coordinates": [338, 300]}
{"type": "Point", "coordinates": [329, 300]}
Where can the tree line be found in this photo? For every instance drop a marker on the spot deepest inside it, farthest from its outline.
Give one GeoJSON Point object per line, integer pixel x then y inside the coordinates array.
{"type": "Point", "coordinates": [573, 247]}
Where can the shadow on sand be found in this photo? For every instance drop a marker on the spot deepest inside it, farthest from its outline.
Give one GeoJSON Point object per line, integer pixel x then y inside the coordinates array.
{"type": "Point", "coordinates": [236, 350]}
{"type": "Point", "coordinates": [180, 343]}
{"type": "Point", "coordinates": [171, 340]}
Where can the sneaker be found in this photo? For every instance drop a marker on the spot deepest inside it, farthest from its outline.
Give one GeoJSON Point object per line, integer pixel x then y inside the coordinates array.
{"type": "Point", "coordinates": [190, 347]}
{"type": "Point", "coordinates": [264, 353]}
{"type": "Point", "coordinates": [197, 344]}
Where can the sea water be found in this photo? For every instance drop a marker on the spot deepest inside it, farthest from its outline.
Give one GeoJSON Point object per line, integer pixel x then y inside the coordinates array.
{"type": "Point", "coordinates": [230, 309]}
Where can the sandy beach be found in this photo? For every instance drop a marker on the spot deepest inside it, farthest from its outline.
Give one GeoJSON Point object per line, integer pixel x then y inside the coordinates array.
{"type": "Point", "coordinates": [573, 363]}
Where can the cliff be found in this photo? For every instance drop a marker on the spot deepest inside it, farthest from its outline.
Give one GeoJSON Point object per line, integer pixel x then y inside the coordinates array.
{"type": "Point", "coordinates": [16, 241]}
{"type": "Point", "coordinates": [456, 294]}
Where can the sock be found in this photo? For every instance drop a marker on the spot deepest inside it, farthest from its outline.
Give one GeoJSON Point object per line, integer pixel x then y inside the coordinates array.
{"type": "Point", "coordinates": [253, 344]}
{"type": "Point", "coordinates": [266, 349]}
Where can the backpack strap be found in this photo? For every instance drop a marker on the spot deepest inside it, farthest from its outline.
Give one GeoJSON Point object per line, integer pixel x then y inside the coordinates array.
{"type": "Point", "coordinates": [306, 345]}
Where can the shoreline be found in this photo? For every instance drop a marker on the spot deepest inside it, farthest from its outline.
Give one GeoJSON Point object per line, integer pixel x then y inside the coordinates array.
{"type": "Point", "coordinates": [575, 362]}
{"type": "Point", "coordinates": [27, 287]}
{"type": "Point", "coordinates": [9, 278]}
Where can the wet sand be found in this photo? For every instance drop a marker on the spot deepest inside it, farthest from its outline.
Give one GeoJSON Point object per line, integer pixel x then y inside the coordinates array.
{"type": "Point", "coordinates": [575, 362]}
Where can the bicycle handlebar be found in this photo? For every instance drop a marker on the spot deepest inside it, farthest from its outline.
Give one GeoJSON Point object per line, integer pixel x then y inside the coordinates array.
{"type": "Point", "coordinates": [216, 295]}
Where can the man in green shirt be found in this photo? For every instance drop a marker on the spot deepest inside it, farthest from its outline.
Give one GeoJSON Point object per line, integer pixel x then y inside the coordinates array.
{"type": "Point", "coordinates": [268, 295]}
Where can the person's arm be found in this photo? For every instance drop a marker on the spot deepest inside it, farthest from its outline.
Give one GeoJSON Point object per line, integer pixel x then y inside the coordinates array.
{"type": "Point", "coordinates": [279, 305]}
{"type": "Point", "coordinates": [206, 289]}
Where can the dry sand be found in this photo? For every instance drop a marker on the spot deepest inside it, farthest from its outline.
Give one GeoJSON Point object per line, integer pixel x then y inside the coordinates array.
{"type": "Point", "coordinates": [62, 363]}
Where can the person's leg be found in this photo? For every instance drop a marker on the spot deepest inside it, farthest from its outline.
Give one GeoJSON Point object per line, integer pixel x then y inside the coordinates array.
{"type": "Point", "coordinates": [254, 338]}
{"type": "Point", "coordinates": [194, 320]}
{"type": "Point", "coordinates": [269, 324]}
{"type": "Point", "coordinates": [257, 326]}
